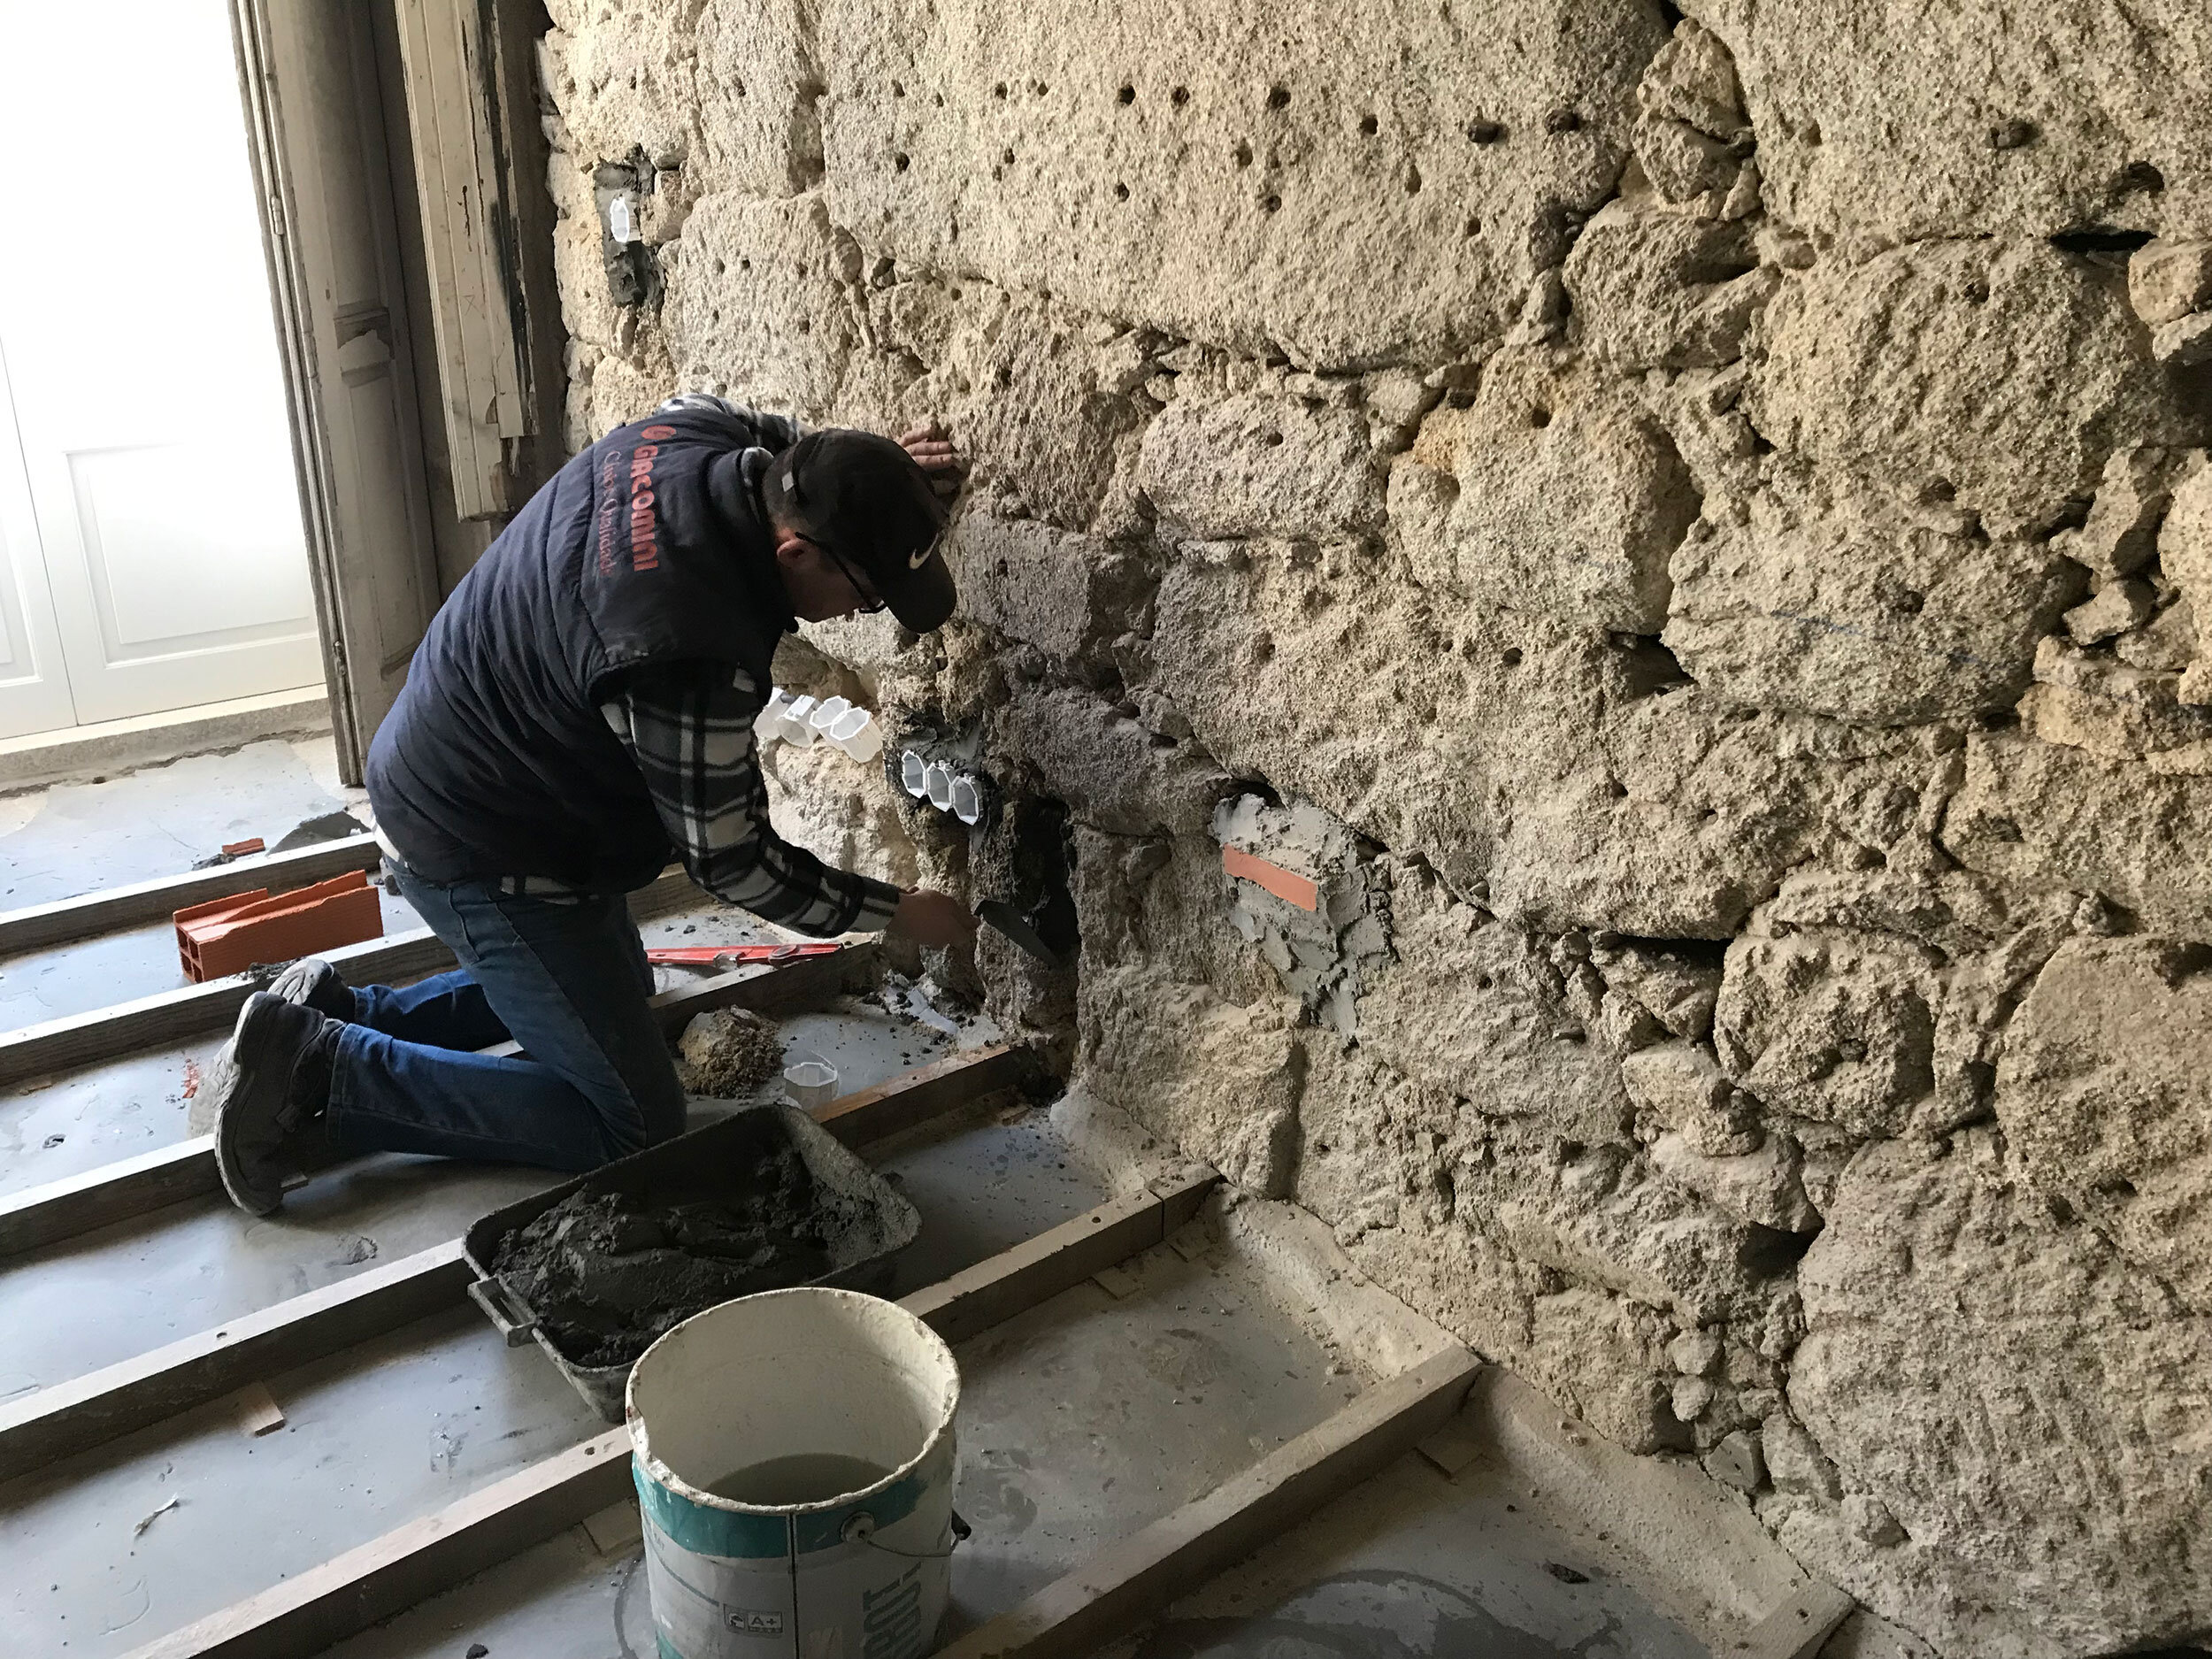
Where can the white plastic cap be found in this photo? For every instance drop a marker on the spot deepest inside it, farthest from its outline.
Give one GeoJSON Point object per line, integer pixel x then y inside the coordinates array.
{"type": "Point", "coordinates": [914, 775]}
{"type": "Point", "coordinates": [938, 781]}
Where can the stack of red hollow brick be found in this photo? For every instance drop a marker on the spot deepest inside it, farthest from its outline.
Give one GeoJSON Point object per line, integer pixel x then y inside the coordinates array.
{"type": "Point", "coordinates": [229, 935]}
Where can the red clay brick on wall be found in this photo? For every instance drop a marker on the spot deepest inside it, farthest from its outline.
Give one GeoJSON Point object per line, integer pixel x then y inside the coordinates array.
{"type": "Point", "coordinates": [1284, 884]}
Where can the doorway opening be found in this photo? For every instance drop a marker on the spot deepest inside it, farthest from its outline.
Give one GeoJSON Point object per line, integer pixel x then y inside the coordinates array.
{"type": "Point", "coordinates": [152, 556]}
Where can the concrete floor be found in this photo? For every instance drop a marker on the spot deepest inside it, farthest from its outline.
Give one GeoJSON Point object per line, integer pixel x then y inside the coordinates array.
{"type": "Point", "coordinates": [1082, 1421]}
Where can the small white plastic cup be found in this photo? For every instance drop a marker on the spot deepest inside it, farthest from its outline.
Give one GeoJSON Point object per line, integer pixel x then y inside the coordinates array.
{"type": "Point", "coordinates": [768, 723]}
{"type": "Point", "coordinates": [809, 1082]}
{"type": "Point", "coordinates": [967, 800]}
{"type": "Point", "coordinates": [827, 714]}
{"type": "Point", "coordinates": [914, 775]}
{"type": "Point", "coordinates": [797, 730]}
{"type": "Point", "coordinates": [938, 781]}
{"type": "Point", "coordinates": [856, 733]}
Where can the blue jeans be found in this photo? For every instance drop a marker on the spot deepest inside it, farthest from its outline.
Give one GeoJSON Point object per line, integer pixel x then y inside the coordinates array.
{"type": "Point", "coordinates": [565, 978]}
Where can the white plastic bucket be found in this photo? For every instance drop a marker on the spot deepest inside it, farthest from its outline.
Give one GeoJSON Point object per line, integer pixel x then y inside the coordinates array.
{"type": "Point", "coordinates": [862, 1574]}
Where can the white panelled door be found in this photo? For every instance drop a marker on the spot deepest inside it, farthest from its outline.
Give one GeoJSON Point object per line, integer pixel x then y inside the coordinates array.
{"type": "Point", "coordinates": [163, 552]}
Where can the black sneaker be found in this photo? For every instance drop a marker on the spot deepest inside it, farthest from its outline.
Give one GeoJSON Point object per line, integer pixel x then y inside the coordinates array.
{"type": "Point", "coordinates": [264, 1095]}
{"type": "Point", "coordinates": [310, 982]}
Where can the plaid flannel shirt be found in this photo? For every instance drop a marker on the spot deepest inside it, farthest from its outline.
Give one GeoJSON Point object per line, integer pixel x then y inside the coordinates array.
{"type": "Point", "coordinates": [689, 727]}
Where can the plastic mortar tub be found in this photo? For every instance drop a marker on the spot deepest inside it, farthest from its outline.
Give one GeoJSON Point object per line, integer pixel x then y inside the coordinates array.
{"type": "Point", "coordinates": [793, 1455]}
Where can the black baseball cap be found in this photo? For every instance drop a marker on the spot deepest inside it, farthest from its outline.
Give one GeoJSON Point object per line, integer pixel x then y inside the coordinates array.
{"type": "Point", "coordinates": [866, 500]}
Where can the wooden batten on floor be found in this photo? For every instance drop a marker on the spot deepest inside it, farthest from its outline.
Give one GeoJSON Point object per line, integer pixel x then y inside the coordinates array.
{"type": "Point", "coordinates": [313, 1609]}
{"type": "Point", "coordinates": [134, 1187]}
{"type": "Point", "coordinates": [1129, 1582]}
{"type": "Point", "coordinates": [68, 1417]}
{"type": "Point", "coordinates": [142, 901]}
{"type": "Point", "coordinates": [194, 1011]}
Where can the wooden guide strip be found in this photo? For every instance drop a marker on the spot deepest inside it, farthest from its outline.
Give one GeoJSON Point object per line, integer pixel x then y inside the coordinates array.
{"type": "Point", "coordinates": [326, 1604]}
{"type": "Point", "coordinates": [193, 1011]}
{"type": "Point", "coordinates": [1801, 1626]}
{"type": "Point", "coordinates": [116, 1192]}
{"type": "Point", "coordinates": [67, 1417]}
{"type": "Point", "coordinates": [1127, 1583]}
{"type": "Point", "coordinates": [142, 902]}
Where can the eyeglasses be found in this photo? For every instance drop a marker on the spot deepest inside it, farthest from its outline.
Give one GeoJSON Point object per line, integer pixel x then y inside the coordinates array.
{"type": "Point", "coordinates": [871, 601]}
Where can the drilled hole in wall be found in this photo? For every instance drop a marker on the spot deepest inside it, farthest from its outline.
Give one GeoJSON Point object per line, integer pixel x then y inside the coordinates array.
{"type": "Point", "coordinates": [1977, 292]}
{"type": "Point", "coordinates": [1369, 126]}
{"type": "Point", "coordinates": [1941, 489]}
{"type": "Point", "coordinates": [2141, 176]}
{"type": "Point", "coordinates": [999, 91]}
{"type": "Point", "coordinates": [1485, 132]}
{"type": "Point", "coordinates": [1540, 417]}
{"type": "Point", "coordinates": [1473, 227]}
{"type": "Point", "coordinates": [898, 89]}
{"type": "Point", "coordinates": [1127, 95]}
{"type": "Point", "coordinates": [1272, 439]}
{"type": "Point", "coordinates": [1563, 121]}
{"type": "Point", "coordinates": [1278, 97]}
{"type": "Point", "coordinates": [1272, 202]}
{"type": "Point", "coordinates": [1180, 96]}
{"type": "Point", "coordinates": [1616, 789]}
{"type": "Point", "coordinates": [1512, 657]}
{"type": "Point", "coordinates": [1413, 181]}
{"type": "Point", "coordinates": [740, 86]}
{"type": "Point", "coordinates": [1009, 156]}
{"type": "Point", "coordinates": [1811, 133]}
{"type": "Point", "coordinates": [900, 161]}
{"type": "Point", "coordinates": [744, 264]}
{"type": "Point", "coordinates": [1121, 193]}
{"type": "Point", "coordinates": [1244, 153]}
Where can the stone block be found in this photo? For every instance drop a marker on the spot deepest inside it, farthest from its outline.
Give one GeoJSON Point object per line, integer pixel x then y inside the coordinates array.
{"type": "Point", "coordinates": [1761, 1185]}
{"type": "Point", "coordinates": [1258, 465]}
{"type": "Point", "coordinates": [2023, 1400]}
{"type": "Point", "coordinates": [2168, 280]}
{"type": "Point", "coordinates": [1220, 1081]}
{"type": "Point", "coordinates": [1664, 290]}
{"type": "Point", "coordinates": [1555, 493]}
{"type": "Point", "coordinates": [1682, 1086]}
{"type": "Point", "coordinates": [1991, 376]}
{"type": "Point", "coordinates": [2105, 1092]}
{"type": "Point", "coordinates": [1069, 596]}
{"type": "Point", "coordinates": [1857, 614]}
{"type": "Point", "coordinates": [1838, 1029]}
{"type": "Point", "coordinates": [2052, 817]}
{"type": "Point", "coordinates": [1234, 176]}
{"type": "Point", "coordinates": [1883, 120]}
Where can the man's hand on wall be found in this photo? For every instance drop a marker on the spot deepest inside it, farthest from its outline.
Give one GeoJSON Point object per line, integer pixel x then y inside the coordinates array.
{"type": "Point", "coordinates": [935, 453]}
{"type": "Point", "coordinates": [933, 920]}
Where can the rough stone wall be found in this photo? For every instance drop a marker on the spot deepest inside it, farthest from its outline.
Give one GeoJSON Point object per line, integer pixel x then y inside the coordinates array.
{"type": "Point", "coordinates": [1684, 532]}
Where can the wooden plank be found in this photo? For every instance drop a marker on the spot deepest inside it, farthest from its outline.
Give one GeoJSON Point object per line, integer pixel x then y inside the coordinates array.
{"type": "Point", "coordinates": [313, 1609]}
{"type": "Point", "coordinates": [168, 1016]}
{"type": "Point", "coordinates": [1801, 1626]}
{"type": "Point", "coordinates": [993, 1292]}
{"type": "Point", "coordinates": [67, 1417]}
{"type": "Point", "coordinates": [142, 902]}
{"type": "Point", "coordinates": [875, 1114]}
{"type": "Point", "coordinates": [116, 1192]}
{"type": "Point", "coordinates": [1122, 1585]}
